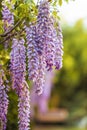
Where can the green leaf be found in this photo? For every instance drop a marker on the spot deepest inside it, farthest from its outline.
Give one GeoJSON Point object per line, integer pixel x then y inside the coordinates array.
{"type": "Point", "coordinates": [1, 27]}
{"type": "Point", "coordinates": [60, 2]}
{"type": "Point", "coordinates": [67, 1]}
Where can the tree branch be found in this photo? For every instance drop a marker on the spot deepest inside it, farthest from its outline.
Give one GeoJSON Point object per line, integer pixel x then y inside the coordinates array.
{"type": "Point", "coordinates": [7, 38]}
{"type": "Point", "coordinates": [11, 36]}
{"type": "Point", "coordinates": [9, 31]}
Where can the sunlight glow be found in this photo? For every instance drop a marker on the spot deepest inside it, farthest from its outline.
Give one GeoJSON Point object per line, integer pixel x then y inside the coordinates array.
{"type": "Point", "coordinates": [74, 11]}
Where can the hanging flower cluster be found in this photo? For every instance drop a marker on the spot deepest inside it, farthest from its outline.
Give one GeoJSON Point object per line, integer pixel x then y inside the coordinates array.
{"type": "Point", "coordinates": [40, 52]}
{"type": "Point", "coordinates": [36, 65]}
{"type": "Point", "coordinates": [18, 68]}
{"type": "Point", "coordinates": [44, 46]}
{"type": "Point", "coordinates": [24, 107]}
{"type": "Point", "coordinates": [58, 47]}
{"type": "Point", "coordinates": [8, 18]}
{"type": "Point", "coordinates": [3, 102]}
{"type": "Point", "coordinates": [32, 54]}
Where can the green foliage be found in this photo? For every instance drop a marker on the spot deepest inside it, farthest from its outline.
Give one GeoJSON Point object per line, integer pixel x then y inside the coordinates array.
{"type": "Point", "coordinates": [1, 27]}
{"type": "Point", "coordinates": [60, 2]}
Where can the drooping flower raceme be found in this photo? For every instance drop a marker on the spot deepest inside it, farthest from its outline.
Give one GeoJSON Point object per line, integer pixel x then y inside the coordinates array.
{"type": "Point", "coordinates": [58, 48]}
{"type": "Point", "coordinates": [40, 81]}
{"type": "Point", "coordinates": [50, 45]}
{"type": "Point", "coordinates": [18, 65]}
{"type": "Point", "coordinates": [47, 40]}
{"type": "Point", "coordinates": [18, 68]}
{"type": "Point", "coordinates": [3, 103]}
{"type": "Point", "coordinates": [42, 46]}
{"type": "Point", "coordinates": [36, 62]}
{"type": "Point", "coordinates": [33, 60]}
{"type": "Point", "coordinates": [24, 107]}
{"type": "Point", "coordinates": [8, 18]}
{"type": "Point", "coordinates": [42, 25]}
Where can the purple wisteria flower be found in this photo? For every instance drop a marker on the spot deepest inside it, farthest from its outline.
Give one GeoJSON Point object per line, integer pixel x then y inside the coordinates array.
{"type": "Point", "coordinates": [33, 60]}
{"type": "Point", "coordinates": [58, 48]}
{"type": "Point", "coordinates": [18, 65]}
{"type": "Point", "coordinates": [50, 45]}
{"type": "Point", "coordinates": [46, 36]}
{"type": "Point", "coordinates": [36, 63]}
{"type": "Point", "coordinates": [18, 68]}
{"type": "Point", "coordinates": [40, 81]}
{"type": "Point", "coordinates": [42, 25]}
{"type": "Point", "coordinates": [3, 103]}
{"type": "Point", "coordinates": [24, 107]}
{"type": "Point", "coordinates": [8, 18]}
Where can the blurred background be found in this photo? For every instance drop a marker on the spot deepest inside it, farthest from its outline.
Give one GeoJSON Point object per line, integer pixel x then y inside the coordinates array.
{"type": "Point", "coordinates": [63, 106]}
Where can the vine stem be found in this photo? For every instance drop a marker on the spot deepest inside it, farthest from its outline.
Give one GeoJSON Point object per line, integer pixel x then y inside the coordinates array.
{"type": "Point", "coordinates": [10, 36]}
{"type": "Point", "coordinates": [9, 31]}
